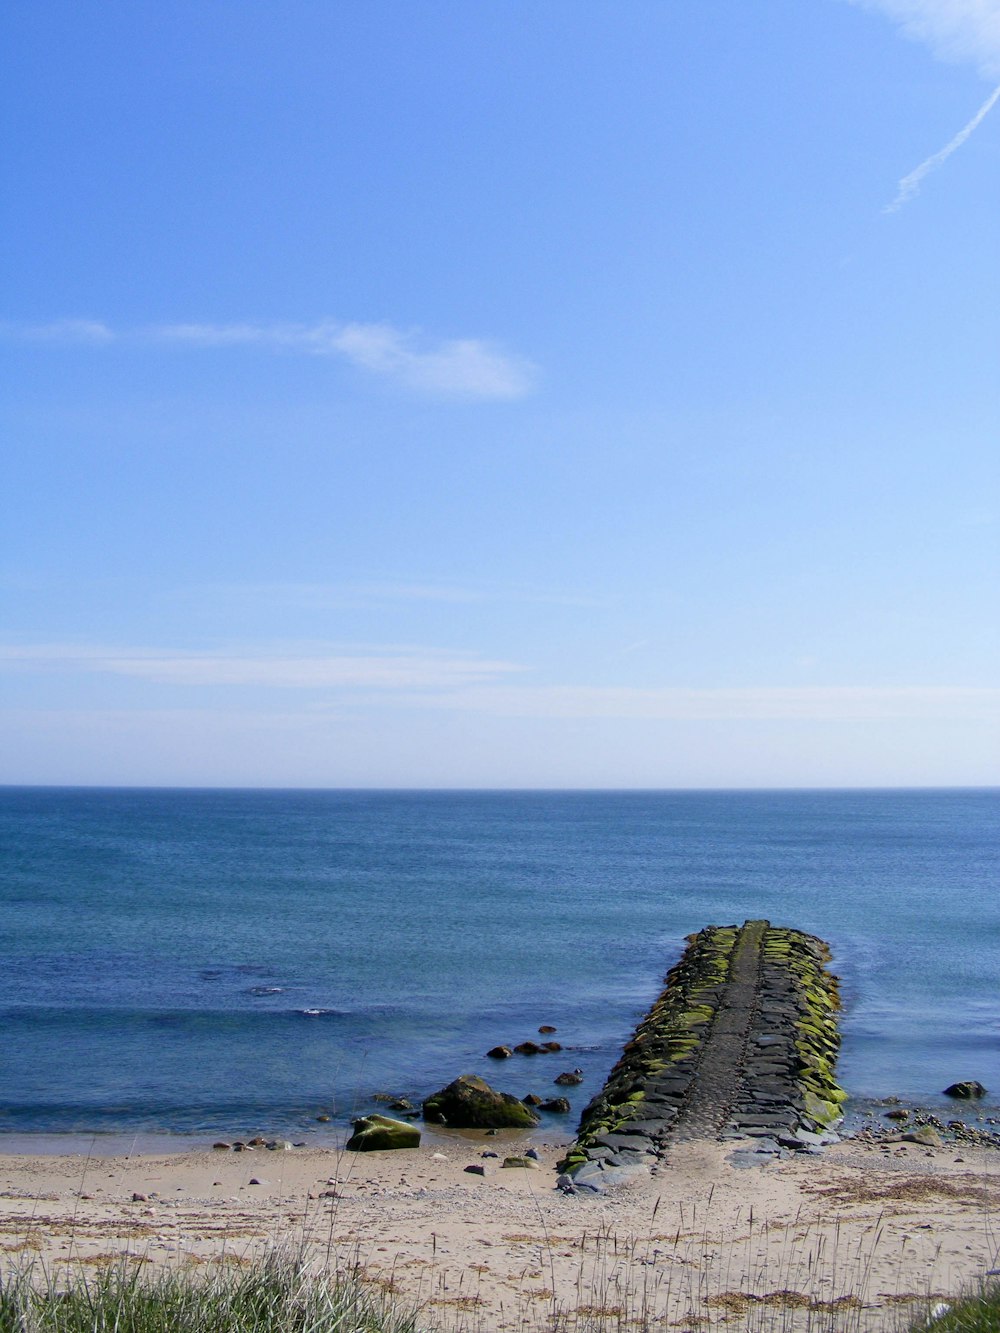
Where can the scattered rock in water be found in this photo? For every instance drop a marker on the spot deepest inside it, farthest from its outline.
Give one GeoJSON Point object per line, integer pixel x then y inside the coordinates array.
{"type": "Point", "coordinates": [400, 1104]}
{"type": "Point", "coordinates": [323, 1119]}
{"type": "Point", "coordinates": [528, 1048]}
{"type": "Point", "coordinates": [551, 1046]}
{"type": "Point", "coordinates": [555, 1106]}
{"type": "Point", "coordinates": [500, 1053]}
{"type": "Point", "coordinates": [899, 1113]}
{"type": "Point", "coordinates": [377, 1133]}
{"type": "Point", "coordinates": [546, 1028]}
{"type": "Point", "coordinates": [966, 1090]}
{"type": "Point", "coordinates": [532, 1100]}
{"type": "Point", "coordinates": [570, 1079]}
{"type": "Point", "coordinates": [470, 1103]}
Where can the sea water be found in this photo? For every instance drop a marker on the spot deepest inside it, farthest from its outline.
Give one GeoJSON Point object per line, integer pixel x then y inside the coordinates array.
{"type": "Point", "coordinates": [222, 962]}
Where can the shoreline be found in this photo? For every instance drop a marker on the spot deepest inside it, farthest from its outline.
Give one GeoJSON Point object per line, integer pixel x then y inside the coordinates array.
{"type": "Point", "coordinates": [876, 1226]}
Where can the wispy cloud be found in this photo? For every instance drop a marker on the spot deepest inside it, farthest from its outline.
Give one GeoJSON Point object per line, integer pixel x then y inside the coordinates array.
{"type": "Point", "coordinates": [463, 367]}
{"type": "Point", "coordinates": [752, 703]}
{"type": "Point", "coordinates": [471, 368]}
{"type": "Point", "coordinates": [90, 331]}
{"type": "Point", "coordinates": [956, 30]}
{"type": "Point", "coordinates": [375, 670]}
{"type": "Point", "coordinates": [426, 678]}
{"type": "Point", "coordinates": [911, 183]}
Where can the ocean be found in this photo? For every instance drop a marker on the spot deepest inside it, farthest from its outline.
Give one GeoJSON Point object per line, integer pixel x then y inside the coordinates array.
{"type": "Point", "coordinates": [190, 964]}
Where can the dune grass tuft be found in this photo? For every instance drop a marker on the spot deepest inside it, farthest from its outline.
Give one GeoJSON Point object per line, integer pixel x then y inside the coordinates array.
{"type": "Point", "coordinates": [277, 1296]}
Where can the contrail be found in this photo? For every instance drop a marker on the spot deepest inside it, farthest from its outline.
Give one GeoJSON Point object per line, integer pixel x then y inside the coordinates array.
{"type": "Point", "coordinates": [910, 184]}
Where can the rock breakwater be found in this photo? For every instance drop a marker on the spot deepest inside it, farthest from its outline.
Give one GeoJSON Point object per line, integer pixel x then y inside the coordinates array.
{"type": "Point", "coordinates": [742, 1043]}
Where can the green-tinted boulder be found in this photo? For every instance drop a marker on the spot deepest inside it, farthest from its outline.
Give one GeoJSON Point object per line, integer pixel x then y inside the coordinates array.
{"type": "Point", "coordinates": [470, 1103]}
{"type": "Point", "coordinates": [377, 1133]}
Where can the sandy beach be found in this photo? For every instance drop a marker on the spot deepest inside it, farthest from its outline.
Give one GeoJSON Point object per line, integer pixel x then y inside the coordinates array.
{"type": "Point", "coordinates": [867, 1230]}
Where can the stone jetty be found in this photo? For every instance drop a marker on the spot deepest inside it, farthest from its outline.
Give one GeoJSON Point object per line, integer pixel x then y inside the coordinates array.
{"type": "Point", "coordinates": [741, 1044]}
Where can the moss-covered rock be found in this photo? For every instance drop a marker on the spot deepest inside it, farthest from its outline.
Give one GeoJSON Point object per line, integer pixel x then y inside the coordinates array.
{"type": "Point", "coordinates": [470, 1103]}
{"type": "Point", "coordinates": [378, 1133]}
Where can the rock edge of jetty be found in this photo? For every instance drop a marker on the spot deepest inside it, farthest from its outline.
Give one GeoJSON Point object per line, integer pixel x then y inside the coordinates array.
{"type": "Point", "coordinates": [742, 1043]}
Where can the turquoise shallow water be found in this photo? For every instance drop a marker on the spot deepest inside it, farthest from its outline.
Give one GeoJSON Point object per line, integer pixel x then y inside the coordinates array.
{"type": "Point", "coordinates": [209, 962]}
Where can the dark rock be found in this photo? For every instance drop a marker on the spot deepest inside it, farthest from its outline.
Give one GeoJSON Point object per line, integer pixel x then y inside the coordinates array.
{"type": "Point", "coordinates": [570, 1079]}
{"type": "Point", "coordinates": [528, 1048]}
{"type": "Point", "coordinates": [555, 1106]}
{"type": "Point", "coordinates": [552, 1046]}
{"type": "Point", "coordinates": [546, 1028]}
{"type": "Point", "coordinates": [400, 1104]}
{"type": "Point", "coordinates": [470, 1103]}
{"type": "Point", "coordinates": [533, 1154]}
{"type": "Point", "coordinates": [323, 1119]}
{"type": "Point", "coordinates": [221, 1147]}
{"type": "Point", "coordinates": [500, 1053]}
{"type": "Point", "coordinates": [898, 1113]}
{"type": "Point", "coordinates": [475, 1169]}
{"type": "Point", "coordinates": [377, 1133]}
{"type": "Point", "coordinates": [965, 1091]}
{"type": "Point", "coordinates": [532, 1100]}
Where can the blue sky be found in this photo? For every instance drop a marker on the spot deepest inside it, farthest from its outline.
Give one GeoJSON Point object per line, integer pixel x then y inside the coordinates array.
{"type": "Point", "coordinates": [566, 394]}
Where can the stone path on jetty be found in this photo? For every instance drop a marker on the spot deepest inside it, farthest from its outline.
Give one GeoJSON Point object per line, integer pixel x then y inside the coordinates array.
{"type": "Point", "coordinates": [742, 1043]}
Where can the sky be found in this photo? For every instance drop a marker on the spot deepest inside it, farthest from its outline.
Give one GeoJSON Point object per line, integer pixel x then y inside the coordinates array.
{"type": "Point", "coordinates": [501, 395]}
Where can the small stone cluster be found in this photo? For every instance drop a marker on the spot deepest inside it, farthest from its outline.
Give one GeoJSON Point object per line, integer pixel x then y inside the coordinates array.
{"type": "Point", "coordinates": [742, 1042]}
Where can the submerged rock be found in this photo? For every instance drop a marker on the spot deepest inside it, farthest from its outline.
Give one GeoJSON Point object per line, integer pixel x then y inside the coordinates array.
{"type": "Point", "coordinates": [966, 1090]}
{"type": "Point", "coordinates": [500, 1053]}
{"type": "Point", "coordinates": [470, 1103]}
{"type": "Point", "coordinates": [377, 1133]}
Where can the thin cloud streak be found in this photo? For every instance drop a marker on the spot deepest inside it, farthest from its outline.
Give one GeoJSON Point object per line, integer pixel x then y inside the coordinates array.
{"type": "Point", "coordinates": [910, 184]}
{"type": "Point", "coordinates": [415, 670]}
{"type": "Point", "coordinates": [459, 368]}
{"type": "Point", "coordinates": [422, 678]}
{"type": "Point", "coordinates": [469, 368]}
{"type": "Point", "coordinates": [67, 331]}
{"type": "Point", "coordinates": [752, 703]}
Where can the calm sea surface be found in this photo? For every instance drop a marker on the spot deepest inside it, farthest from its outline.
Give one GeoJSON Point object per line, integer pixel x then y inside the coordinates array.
{"type": "Point", "coordinates": [218, 962]}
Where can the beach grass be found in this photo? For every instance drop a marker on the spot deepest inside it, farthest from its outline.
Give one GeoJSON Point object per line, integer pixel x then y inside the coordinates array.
{"type": "Point", "coordinates": [278, 1295]}
{"type": "Point", "coordinates": [978, 1312]}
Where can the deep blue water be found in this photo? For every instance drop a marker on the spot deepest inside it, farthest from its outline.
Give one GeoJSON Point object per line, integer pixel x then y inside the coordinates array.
{"type": "Point", "coordinates": [231, 961]}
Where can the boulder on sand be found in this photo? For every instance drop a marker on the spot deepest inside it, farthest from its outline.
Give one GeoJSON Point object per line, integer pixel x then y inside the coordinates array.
{"type": "Point", "coordinates": [470, 1103]}
{"type": "Point", "coordinates": [376, 1133]}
